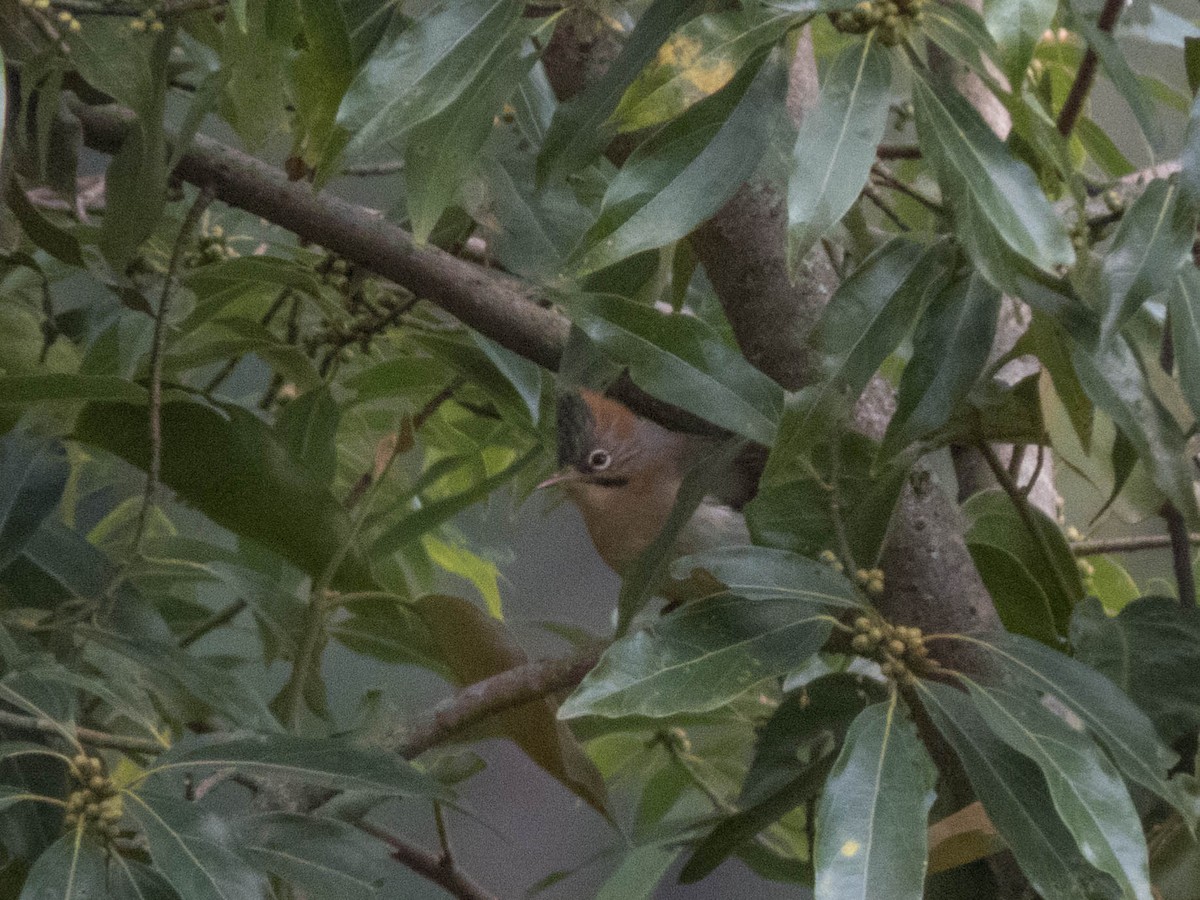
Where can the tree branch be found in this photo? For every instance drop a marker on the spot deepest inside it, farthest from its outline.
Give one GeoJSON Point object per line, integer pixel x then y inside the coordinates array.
{"type": "Point", "coordinates": [437, 869]}
{"type": "Point", "coordinates": [500, 692]}
{"type": "Point", "coordinates": [1127, 544]}
{"type": "Point", "coordinates": [1086, 75]}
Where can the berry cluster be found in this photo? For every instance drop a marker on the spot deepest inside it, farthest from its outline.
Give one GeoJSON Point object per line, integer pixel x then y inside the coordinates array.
{"type": "Point", "coordinates": [870, 580]}
{"type": "Point", "coordinates": [893, 18]}
{"type": "Point", "coordinates": [95, 802]}
{"type": "Point", "coordinates": [148, 21]}
{"type": "Point", "coordinates": [211, 247]}
{"type": "Point", "coordinates": [899, 649]}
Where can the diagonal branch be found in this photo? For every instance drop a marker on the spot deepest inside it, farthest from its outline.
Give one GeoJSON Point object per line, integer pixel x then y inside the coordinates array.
{"type": "Point", "coordinates": [1086, 74]}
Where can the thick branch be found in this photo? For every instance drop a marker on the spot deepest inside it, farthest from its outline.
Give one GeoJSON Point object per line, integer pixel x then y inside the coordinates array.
{"type": "Point", "coordinates": [508, 689]}
{"type": "Point", "coordinates": [496, 305]}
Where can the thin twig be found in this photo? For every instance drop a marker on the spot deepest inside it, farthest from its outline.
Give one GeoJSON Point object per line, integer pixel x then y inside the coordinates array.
{"type": "Point", "coordinates": [428, 865]}
{"type": "Point", "coordinates": [1126, 544]}
{"type": "Point", "coordinates": [163, 10]}
{"type": "Point", "coordinates": [1037, 471]}
{"type": "Point", "coordinates": [873, 195]}
{"type": "Point", "coordinates": [216, 620]}
{"type": "Point", "coordinates": [1086, 75]}
{"type": "Point", "coordinates": [500, 692]}
{"type": "Point", "coordinates": [1021, 503]}
{"type": "Point", "coordinates": [203, 199]}
{"type": "Point", "coordinates": [898, 151]}
{"type": "Point", "coordinates": [391, 167]}
{"type": "Point", "coordinates": [232, 363]}
{"type": "Point", "coordinates": [89, 736]}
{"type": "Point", "coordinates": [439, 818]}
{"type": "Point", "coordinates": [896, 185]}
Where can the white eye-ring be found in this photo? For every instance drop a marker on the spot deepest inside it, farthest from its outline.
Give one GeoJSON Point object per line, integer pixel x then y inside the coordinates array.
{"type": "Point", "coordinates": [599, 460]}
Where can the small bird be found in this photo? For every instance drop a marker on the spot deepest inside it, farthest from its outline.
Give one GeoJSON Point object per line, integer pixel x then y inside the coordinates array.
{"type": "Point", "coordinates": [624, 473]}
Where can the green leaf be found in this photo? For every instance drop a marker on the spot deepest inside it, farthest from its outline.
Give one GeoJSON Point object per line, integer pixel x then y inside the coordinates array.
{"type": "Point", "coordinates": [868, 317]}
{"type": "Point", "coordinates": [194, 848]}
{"type": "Point", "coordinates": [26, 390]}
{"type": "Point", "coordinates": [871, 824]}
{"type": "Point", "coordinates": [415, 524]}
{"type": "Point", "coordinates": [1110, 583]}
{"type": "Point", "coordinates": [1116, 66]}
{"type": "Point", "coordinates": [700, 657]}
{"type": "Point", "coordinates": [1030, 598]}
{"type": "Point", "coordinates": [1017, 26]}
{"type": "Point", "coordinates": [477, 646]}
{"type": "Point", "coordinates": [219, 285]}
{"type": "Point", "coordinates": [307, 429]}
{"type": "Point", "coordinates": [799, 514]}
{"type": "Point", "coordinates": [1151, 243]}
{"type": "Point", "coordinates": [131, 880]}
{"type": "Point", "coordinates": [325, 858]}
{"type": "Point", "coordinates": [639, 873]}
{"type": "Point", "coordinates": [259, 495]}
{"type": "Point", "coordinates": [582, 127]}
{"type": "Point", "coordinates": [321, 73]}
{"type": "Point", "coordinates": [167, 667]}
{"type": "Point", "coordinates": [419, 71]}
{"type": "Point", "coordinates": [1191, 58]}
{"type": "Point", "coordinates": [1102, 150]}
{"type": "Point", "coordinates": [644, 576]}
{"type": "Point", "coordinates": [695, 62]}
{"type": "Point", "coordinates": [441, 150]}
{"type": "Point", "coordinates": [1189, 159]}
{"type": "Point", "coordinates": [1114, 380]}
{"type": "Point", "coordinates": [684, 173]}
{"type": "Point", "coordinates": [1109, 714]}
{"type": "Point", "coordinates": [792, 758]}
{"type": "Point", "coordinates": [963, 35]}
{"type": "Point", "coordinates": [72, 868]}
{"type": "Point", "coordinates": [1150, 650]}
{"type": "Point", "coordinates": [950, 350]}
{"type": "Point", "coordinates": [682, 360]}
{"type": "Point", "coordinates": [983, 183]}
{"type": "Point", "coordinates": [835, 147]}
{"type": "Point", "coordinates": [46, 235]}
{"type": "Point", "coordinates": [1183, 308]}
{"type": "Point", "coordinates": [330, 763]}
{"type": "Point", "coordinates": [10, 795]}
{"type": "Point", "coordinates": [1015, 797]}
{"type": "Point", "coordinates": [33, 476]}
{"type": "Point", "coordinates": [1087, 791]}
{"type": "Point", "coordinates": [762, 573]}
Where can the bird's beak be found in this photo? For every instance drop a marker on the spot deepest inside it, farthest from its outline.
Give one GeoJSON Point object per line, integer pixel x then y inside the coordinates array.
{"type": "Point", "coordinates": [559, 478]}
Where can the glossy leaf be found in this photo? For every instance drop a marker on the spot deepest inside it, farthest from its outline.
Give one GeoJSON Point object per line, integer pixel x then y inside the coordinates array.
{"type": "Point", "coordinates": [950, 349]}
{"type": "Point", "coordinates": [871, 822]}
{"type": "Point", "coordinates": [477, 646]}
{"type": "Point", "coordinates": [1183, 307]}
{"type": "Point", "coordinates": [1087, 791]}
{"type": "Point", "coordinates": [419, 71]}
{"type": "Point", "coordinates": [33, 476]}
{"type": "Point", "coordinates": [581, 127]}
{"type": "Point", "coordinates": [1045, 609]}
{"type": "Point", "coordinates": [1189, 156]}
{"type": "Point", "coordinates": [1116, 66]}
{"type": "Point", "coordinates": [321, 73]}
{"type": "Point", "coordinates": [321, 761]}
{"type": "Point", "coordinates": [194, 848]}
{"type": "Point", "coordinates": [260, 494]}
{"type": "Point", "coordinates": [129, 879]}
{"type": "Point", "coordinates": [761, 573]}
{"type": "Point", "coordinates": [55, 240]}
{"type": "Point", "coordinates": [1148, 650]}
{"type": "Point", "coordinates": [961, 33]}
{"type": "Point", "coordinates": [695, 62]}
{"type": "Point", "coordinates": [683, 174]}
{"type": "Point", "coordinates": [699, 657]}
{"type": "Point", "coordinates": [1015, 796]}
{"type": "Point", "coordinates": [72, 868]}
{"type": "Point", "coordinates": [327, 859]}
{"type": "Point", "coordinates": [1110, 715]}
{"type": "Point", "coordinates": [1114, 380]}
{"type": "Point", "coordinates": [681, 360]}
{"type": "Point", "coordinates": [639, 873]}
{"type": "Point", "coordinates": [1151, 243]}
{"type": "Point", "coordinates": [975, 168]}
{"type": "Point", "coordinates": [835, 147]}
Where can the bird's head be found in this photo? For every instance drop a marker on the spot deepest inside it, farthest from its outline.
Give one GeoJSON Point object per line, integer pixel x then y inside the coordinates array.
{"type": "Point", "coordinates": [602, 443]}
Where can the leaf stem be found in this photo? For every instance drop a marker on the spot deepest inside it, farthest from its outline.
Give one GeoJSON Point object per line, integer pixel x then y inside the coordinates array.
{"type": "Point", "coordinates": [89, 736]}
{"type": "Point", "coordinates": [428, 865]}
{"type": "Point", "coordinates": [221, 617]}
{"type": "Point", "coordinates": [1181, 554]}
{"type": "Point", "coordinates": [1127, 544]}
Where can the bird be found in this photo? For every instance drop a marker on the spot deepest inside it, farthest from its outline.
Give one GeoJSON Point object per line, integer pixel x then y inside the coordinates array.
{"type": "Point", "coordinates": [623, 473]}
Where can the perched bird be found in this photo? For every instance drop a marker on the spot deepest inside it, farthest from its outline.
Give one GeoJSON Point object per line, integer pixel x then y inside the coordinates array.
{"type": "Point", "coordinates": [624, 473]}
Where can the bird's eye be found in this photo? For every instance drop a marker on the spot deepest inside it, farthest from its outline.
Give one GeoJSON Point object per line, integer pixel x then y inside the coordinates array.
{"type": "Point", "coordinates": [599, 460]}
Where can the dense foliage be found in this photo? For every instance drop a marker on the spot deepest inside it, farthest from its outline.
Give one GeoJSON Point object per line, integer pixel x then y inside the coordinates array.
{"type": "Point", "coordinates": [228, 395]}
